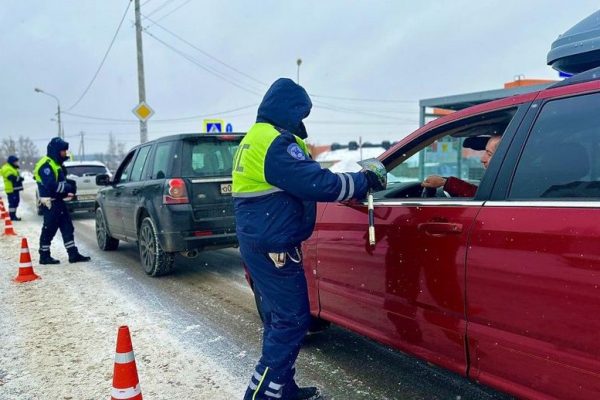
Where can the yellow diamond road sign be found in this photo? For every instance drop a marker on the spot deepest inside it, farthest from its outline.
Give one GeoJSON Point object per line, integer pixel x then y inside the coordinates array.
{"type": "Point", "coordinates": [143, 111]}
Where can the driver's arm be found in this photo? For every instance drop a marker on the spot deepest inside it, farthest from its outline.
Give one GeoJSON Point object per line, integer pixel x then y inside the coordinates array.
{"type": "Point", "coordinates": [459, 188]}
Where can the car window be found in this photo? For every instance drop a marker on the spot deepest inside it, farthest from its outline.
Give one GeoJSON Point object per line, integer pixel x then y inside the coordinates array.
{"type": "Point", "coordinates": [209, 156]}
{"type": "Point", "coordinates": [86, 170]}
{"type": "Point", "coordinates": [138, 165]}
{"type": "Point", "coordinates": [162, 160]}
{"type": "Point", "coordinates": [452, 151]}
{"type": "Point", "coordinates": [124, 170]}
{"type": "Point", "coordinates": [446, 156]}
{"type": "Point", "coordinates": [561, 158]}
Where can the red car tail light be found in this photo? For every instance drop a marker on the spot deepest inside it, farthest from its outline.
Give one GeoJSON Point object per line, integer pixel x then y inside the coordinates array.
{"type": "Point", "coordinates": [175, 192]}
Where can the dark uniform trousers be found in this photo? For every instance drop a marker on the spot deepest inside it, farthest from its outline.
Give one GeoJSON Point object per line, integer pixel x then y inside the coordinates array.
{"type": "Point", "coordinates": [14, 199]}
{"type": "Point", "coordinates": [285, 308]}
{"type": "Point", "coordinates": [55, 218]}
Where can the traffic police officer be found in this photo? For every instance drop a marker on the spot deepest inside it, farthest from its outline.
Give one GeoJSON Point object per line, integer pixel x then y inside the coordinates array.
{"type": "Point", "coordinates": [53, 187]}
{"type": "Point", "coordinates": [276, 186]}
{"type": "Point", "coordinates": [13, 184]}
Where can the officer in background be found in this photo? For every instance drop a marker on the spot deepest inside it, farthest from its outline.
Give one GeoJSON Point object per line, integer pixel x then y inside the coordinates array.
{"type": "Point", "coordinates": [13, 184]}
{"type": "Point", "coordinates": [53, 188]}
{"type": "Point", "coordinates": [275, 187]}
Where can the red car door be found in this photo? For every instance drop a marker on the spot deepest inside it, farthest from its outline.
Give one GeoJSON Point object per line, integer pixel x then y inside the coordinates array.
{"type": "Point", "coordinates": [407, 290]}
{"type": "Point", "coordinates": [533, 265]}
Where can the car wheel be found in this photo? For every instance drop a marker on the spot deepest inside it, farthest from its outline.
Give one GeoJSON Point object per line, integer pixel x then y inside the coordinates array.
{"type": "Point", "coordinates": [105, 241]}
{"type": "Point", "coordinates": [155, 260]}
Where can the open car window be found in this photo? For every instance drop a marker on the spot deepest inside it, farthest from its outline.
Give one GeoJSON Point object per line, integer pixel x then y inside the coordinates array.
{"type": "Point", "coordinates": [453, 150]}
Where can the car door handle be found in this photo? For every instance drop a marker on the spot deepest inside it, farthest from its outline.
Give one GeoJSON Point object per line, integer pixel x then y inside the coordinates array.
{"type": "Point", "coordinates": [440, 228]}
{"type": "Point", "coordinates": [135, 191]}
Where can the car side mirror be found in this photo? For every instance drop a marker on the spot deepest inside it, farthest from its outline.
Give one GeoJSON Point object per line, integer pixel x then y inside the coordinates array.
{"type": "Point", "coordinates": [103, 180]}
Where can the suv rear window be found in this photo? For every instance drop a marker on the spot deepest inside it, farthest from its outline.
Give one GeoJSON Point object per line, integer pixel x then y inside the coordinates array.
{"type": "Point", "coordinates": [209, 156]}
{"type": "Point", "coordinates": [86, 170]}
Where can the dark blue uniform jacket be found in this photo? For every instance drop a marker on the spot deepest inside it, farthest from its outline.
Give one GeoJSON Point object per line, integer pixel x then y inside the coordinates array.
{"type": "Point", "coordinates": [50, 186]}
{"type": "Point", "coordinates": [280, 221]}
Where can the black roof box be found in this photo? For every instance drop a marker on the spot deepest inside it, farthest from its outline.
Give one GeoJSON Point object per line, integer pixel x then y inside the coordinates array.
{"type": "Point", "coordinates": [578, 49]}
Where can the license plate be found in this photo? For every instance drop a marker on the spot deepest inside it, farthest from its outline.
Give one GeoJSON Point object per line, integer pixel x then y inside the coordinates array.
{"type": "Point", "coordinates": [226, 188]}
{"type": "Point", "coordinates": [86, 197]}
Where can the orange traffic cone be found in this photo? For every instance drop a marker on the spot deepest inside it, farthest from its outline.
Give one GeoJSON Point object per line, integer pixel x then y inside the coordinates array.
{"type": "Point", "coordinates": [26, 273]}
{"type": "Point", "coordinates": [126, 385]}
{"type": "Point", "coordinates": [8, 228]}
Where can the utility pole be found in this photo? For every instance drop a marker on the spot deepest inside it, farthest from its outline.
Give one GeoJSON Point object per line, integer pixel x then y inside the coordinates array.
{"type": "Point", "coordinates": [82, 146]}
{"type": "Point", "coordinates": [140, 65]}
{"type": "Point", "coordinates": [298, 63]}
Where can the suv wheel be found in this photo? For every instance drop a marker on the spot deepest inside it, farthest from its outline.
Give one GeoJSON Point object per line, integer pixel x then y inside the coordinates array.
{"type": "Point", "coordinates": [154, 259]}
{"type": "Point", "coordinates": [105, 241]}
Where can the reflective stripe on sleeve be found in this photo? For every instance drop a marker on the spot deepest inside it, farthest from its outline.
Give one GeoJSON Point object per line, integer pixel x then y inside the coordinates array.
{"type": "Point", "coordinates": [343, 190]}
{"type": "Point", "coordinates": [351, 186]}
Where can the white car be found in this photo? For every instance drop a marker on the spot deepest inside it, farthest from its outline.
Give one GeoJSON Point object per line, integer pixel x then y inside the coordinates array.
{"type": "Point", "coordinates": [84, 174]}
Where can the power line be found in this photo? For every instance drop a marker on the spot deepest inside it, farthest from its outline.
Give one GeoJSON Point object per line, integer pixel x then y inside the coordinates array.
{"type": "Point", "coordinates": [354, 99]}
{"type": "Point", "coordinates": [157, 9]}
{"type": "Point", "coordinates": [331, 107]}
{"type": "Point", "coordinates": [103, 59]}
{"type": "Point", "coordinates": [206, 54]}
{"type": "Point", "coordinates": [131, 121]}
{"type": "Point", "coordinates": [206, 68]}
{"type": "Point", "coordinates": [318, 122]}
{"type": "Point", "coordinates": [167, 14]}
{"type": "Point", "coordinates": [363, 99]}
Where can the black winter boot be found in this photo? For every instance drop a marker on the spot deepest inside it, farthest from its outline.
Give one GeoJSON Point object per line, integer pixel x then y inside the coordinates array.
{"type": "Point", "coordinates": [46, 259]}
{"type": "Point", "coordinates": [76, 257]}
{"type": "Point", "coordinates": [294, 392]}
{"type": "Point", "coordinates": [13, 216]}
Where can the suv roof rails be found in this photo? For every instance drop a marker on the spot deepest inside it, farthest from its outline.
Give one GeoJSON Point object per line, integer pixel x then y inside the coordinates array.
{"type": "Point", "coordinates": [587, 76]}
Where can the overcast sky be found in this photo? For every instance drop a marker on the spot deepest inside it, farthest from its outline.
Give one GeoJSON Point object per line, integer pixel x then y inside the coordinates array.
{"type": "Point", "coordinates": [400, 51]}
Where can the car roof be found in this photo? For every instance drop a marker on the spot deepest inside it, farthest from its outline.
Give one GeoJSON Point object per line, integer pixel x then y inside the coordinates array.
{"type": "Point", "coordinates": [193, 135]}
{"type": "Point", "coordinates": [77, 163]}
{"type": "Point", "coordinates": [584, 78]}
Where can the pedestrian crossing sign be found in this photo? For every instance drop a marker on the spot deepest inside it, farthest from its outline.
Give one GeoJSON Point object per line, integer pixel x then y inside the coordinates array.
{"type": "Point", "coordinates": [214, 125]}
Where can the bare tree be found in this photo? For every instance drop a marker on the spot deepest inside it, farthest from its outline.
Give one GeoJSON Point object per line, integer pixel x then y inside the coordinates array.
{"type": "Point", "coordinates": [7, 147]}
{"type": "Point", "coordinates": [28, 153]}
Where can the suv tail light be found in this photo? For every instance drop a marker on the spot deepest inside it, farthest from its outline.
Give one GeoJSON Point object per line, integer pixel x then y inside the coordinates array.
{"type": "Point", "coordinates": [175, 192]}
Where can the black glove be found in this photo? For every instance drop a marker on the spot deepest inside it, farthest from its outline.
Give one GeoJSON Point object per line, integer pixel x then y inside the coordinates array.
{"type": "Point", "coordinates": [20, 179]}
{"type": "Point", "coordinates": [373, 181]}
{"type": "Point", "coordinates": [72, 186]}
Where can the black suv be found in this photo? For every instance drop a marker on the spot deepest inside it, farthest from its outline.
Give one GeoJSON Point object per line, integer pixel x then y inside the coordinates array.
{"type": "Point", "coordinates": [171, 195]}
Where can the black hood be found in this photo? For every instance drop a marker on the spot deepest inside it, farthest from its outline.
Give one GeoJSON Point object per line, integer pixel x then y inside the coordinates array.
{"type": "Point", "coordinates": [55, 146]}
{"type": "Point", "coordinates": [12, 160]}
{"type": "Point", "coordinates": [285, 105]}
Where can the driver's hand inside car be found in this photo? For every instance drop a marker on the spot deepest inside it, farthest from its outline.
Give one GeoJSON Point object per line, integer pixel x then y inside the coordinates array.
{"type": "Point", "coordinates": [434, 181]}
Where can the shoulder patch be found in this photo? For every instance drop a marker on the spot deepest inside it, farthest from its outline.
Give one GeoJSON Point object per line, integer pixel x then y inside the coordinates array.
{"type": "Point", "coordinates": [295, 151]}
{"type": "Point", "coordinates": [47, 171]}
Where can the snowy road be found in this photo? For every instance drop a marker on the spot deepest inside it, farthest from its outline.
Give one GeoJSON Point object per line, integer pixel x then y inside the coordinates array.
{"type": "Point", "coordinates": [195, 333]}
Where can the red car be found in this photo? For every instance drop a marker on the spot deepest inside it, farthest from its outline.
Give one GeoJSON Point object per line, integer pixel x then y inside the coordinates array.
{"type": "Point", "coordinates": [502, 287]}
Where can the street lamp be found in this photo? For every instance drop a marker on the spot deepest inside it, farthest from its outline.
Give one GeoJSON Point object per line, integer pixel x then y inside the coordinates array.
{"type": "Point", "coordinates": [60, 130]}
{"type": "Point", "coordinates": [298, 62]}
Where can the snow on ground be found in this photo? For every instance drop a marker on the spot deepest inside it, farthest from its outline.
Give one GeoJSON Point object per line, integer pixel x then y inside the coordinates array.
{"type": "Point", "coordinates": [57, 334]}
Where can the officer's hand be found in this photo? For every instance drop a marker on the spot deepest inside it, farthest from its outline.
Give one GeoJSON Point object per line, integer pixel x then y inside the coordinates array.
{"type": "Point", "coordinates": [72, 188]}
{"type": "Point", "coordinates": [373, 181]}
